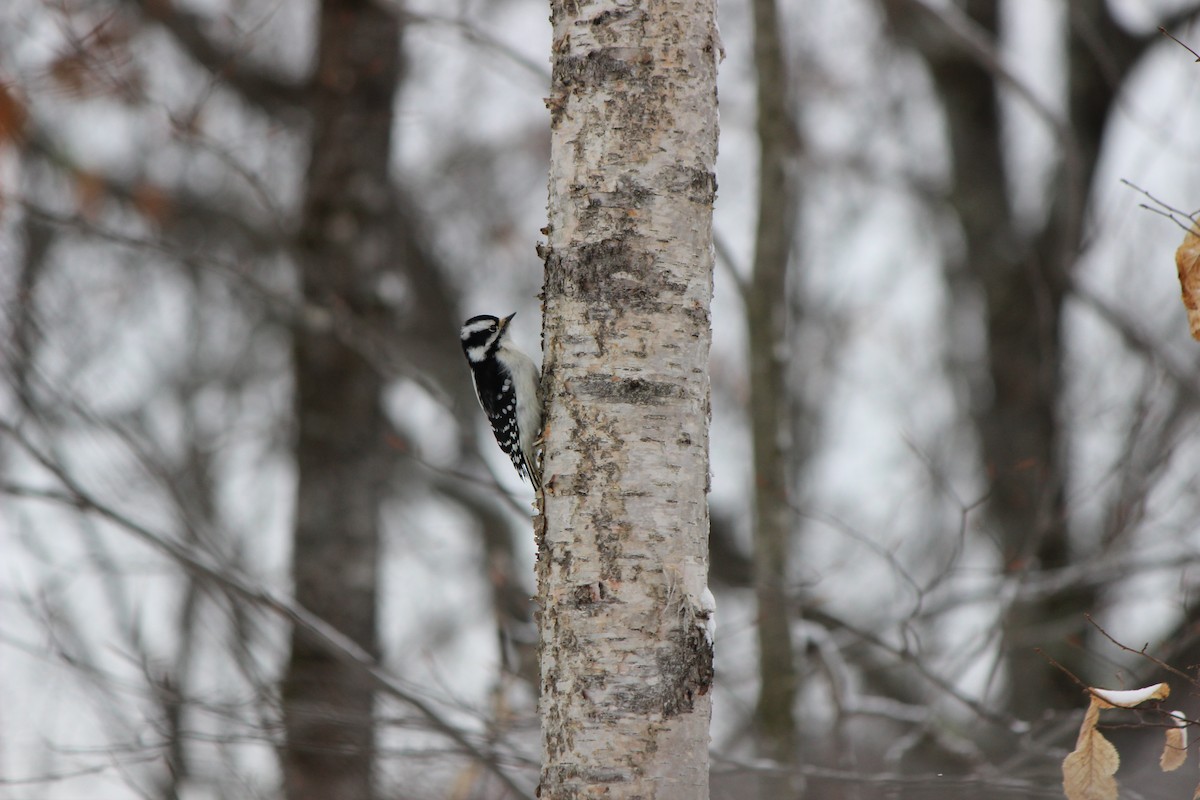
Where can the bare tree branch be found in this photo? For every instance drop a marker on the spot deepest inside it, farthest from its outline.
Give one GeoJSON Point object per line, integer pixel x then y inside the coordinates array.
{"type": "Point", "coordinates": [976, 42]}
{"type": "Point", "coordinates": [203, 567]}
{"type": "Point", "coordinates": [274, 94]}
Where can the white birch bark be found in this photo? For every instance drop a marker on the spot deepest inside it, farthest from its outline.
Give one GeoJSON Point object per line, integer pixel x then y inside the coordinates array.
{"type": "Point", "coordinates": [625, 661]}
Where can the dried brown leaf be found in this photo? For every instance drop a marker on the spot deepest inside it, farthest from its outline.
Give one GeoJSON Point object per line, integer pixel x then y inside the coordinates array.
{"type": "Point", "coordinates": [1088, 771]}
{"type": "Point", "coordinates": [1187, 260]}
{"type": "Point", "coordinates": [1174, 751]}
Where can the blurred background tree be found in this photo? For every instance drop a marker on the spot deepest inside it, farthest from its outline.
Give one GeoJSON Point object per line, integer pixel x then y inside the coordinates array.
{"type": "Point", "coordinates": [256, 534]}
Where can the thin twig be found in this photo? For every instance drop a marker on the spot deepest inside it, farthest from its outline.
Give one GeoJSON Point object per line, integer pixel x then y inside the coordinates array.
{"type": "Point", "coordinates": [333, 640]}
{"type": "Point", "coordinates": [1163, 209]}
{"type": "Point", "coordinates": [1152, 659]}
{"type": "Point", "coordinates": [1155, 200]}
{"type": "Point", "coordinates": [1074, 678]}
{"type": "Point", "coordinates": [994, 716]}
{"type": "Point", "coordinates": [1169, 35]}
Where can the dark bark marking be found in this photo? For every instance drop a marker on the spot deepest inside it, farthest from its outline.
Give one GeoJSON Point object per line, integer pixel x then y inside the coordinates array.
{"type": "Point", "coordinates": [572, 73]}
{"type": "Point", "coordinates": [636, 391]}
{"type": "Point", "coordinates": [605, 66]}
{"type": "Point", "coordinates": [685, 669]}
{"type": "Point", "coordinates": [592, 437]}
{"type": "Point", "coordinates": [610, 273]}
{"type": "Point", "coordinates": [628, 194]}
{"type": "Point", "coordinates": [592, 594]}
{"type": "Point", "coordinates": [607, 16]}
{"type": "Point", "coordinates": [610, 544]}
{"type": "Point", "coordinates": [697, 185]}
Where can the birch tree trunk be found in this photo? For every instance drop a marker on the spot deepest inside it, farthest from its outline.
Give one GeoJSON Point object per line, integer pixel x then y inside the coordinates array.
{"type": "Point", "coordinates": [625, 664]}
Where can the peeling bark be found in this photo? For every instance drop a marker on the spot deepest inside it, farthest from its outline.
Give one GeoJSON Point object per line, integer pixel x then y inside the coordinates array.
{"type": "Point", "coordinates": [625, 663]}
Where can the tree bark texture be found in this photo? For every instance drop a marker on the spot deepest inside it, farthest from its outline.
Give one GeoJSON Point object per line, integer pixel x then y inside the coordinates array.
{"type": "Point", "coordinates": [626, 666]}
{"type": "Point", "coordinates": [341, 458]}
{"type": "Point", "coordinates": [766, 320]}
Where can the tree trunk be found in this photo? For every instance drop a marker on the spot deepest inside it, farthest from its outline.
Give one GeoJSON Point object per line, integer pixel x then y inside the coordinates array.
{"type": "Point", "coordinates": [341, 460]}
{"type": "Point", "coordinates": [1023, 280]}
{"type": "Point", "coordinates": [766, 320]}
{"type": "Point", "coordinates": [626, 664]}
{"type": "Point", "coordinates": [1016, 414]}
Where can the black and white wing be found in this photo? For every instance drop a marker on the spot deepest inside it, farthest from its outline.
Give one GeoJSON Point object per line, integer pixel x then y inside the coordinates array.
{"type": "Point", "coordinates": [499, 402]}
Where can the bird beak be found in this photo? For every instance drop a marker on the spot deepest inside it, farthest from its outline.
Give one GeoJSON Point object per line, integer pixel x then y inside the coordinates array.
{"type": "Point", "coordinates": [504, 322]}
